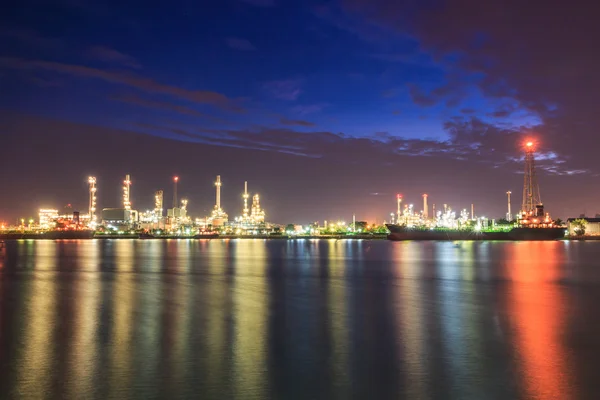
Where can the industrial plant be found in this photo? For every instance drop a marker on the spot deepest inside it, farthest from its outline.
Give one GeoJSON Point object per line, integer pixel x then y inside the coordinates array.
{"type": "Point", "coordinates": [532, 222]}
{"type": "Point", "coordinates": [126, 220]}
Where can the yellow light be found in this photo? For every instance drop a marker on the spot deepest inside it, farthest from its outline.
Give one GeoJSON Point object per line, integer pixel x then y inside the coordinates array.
{"type": "Point", "coordinates": [529, 144]}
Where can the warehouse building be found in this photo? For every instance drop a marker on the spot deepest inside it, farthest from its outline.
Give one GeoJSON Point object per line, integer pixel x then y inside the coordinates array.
{"type": "Point", "coordinates": [592, 227]}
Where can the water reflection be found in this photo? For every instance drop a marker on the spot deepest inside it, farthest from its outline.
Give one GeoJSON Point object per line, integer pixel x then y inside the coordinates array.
{"type": "Point", "coordinates": [409, 295]}
{"type": "Point", "coordinates": [83, 344]}
{"type": "Point", "coordinates": [250, 299]}
{"type": "Point", "coordinates": [121, 292]}
{"type": "Point", "coordinates": [298, 319]}
{"type": "Point", "coordinates": [35, 365]}
{"type": "Point", "coordinates": [536, 306]}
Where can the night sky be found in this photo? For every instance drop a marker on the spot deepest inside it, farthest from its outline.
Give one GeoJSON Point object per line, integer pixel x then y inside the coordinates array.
{"type": "Point", "coordinates": [327, 108]}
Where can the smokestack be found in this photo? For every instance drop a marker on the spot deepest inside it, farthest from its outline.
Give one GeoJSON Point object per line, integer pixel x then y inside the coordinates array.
{"type": "Point", "coordinates": [425, 207]}
{"type": "Point", "coordinates": [245, 197]}
{"type": "Point", "coordinates": [127, 193]}
{"type": "Point", "coordinates": [175, 180]}
{"type": "Point", "coordinates": [218, 185]}
{"type": "Point", "coordinates": [472, 211]}
{"type": "Point", "coordinates": [508, 214]}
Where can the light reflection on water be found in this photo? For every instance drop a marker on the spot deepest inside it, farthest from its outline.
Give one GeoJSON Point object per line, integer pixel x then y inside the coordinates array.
{"type": "Point", "coordinates": [330, 319]}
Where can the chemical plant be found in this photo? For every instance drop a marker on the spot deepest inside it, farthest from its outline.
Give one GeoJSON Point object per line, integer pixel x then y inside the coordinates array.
{"type": "Point", "coordinates": [251, 220]}
{"type": "Point", "coordinates": [127, 220]}
{"type": "Point", "coordinates": [532, 222]}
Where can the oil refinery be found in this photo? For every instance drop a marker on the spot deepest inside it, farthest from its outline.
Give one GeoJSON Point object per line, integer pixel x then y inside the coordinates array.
{"type": "Point", "coordinates": [126, 219]}
{"type": "Point", "coordinates": [405, 223]}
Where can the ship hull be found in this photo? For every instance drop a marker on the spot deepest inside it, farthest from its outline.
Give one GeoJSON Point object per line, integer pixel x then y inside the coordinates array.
{"type": "Point", "coordinates": [402, 233]}
{"type": "Point", "coordinates": [50, 235]}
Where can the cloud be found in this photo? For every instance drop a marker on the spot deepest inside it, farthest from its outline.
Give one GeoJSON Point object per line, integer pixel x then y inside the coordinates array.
{"type": "Point", "coordinates": [126, 79]}
{"type": "Point", "coordinates": [467, 111]}
{"type": "Point", "coordinates": [373, 162]}
{"type": "Point", "coordinates": [289, 89]}
{"type": "Point", "coordinates": [112, 56]}
{"type": "Point", "coordinates": [504, 111]}
{"type": "Point", "coordinates": [296, 122]}
{"type": "Point", "coordinates": [396, 112]}
{"type": "Point", "coordinates": [138, 101]}
{"type": "Point", "coordinates": [419, 97]}
{"type": "Point", "coordinates": [550, 72]}
{"type": "Point", "coordinates": [240, 44]}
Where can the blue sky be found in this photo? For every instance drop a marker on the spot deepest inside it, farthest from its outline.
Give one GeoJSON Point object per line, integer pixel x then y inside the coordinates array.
{"type": "Point", "coordinates": [289, 60]}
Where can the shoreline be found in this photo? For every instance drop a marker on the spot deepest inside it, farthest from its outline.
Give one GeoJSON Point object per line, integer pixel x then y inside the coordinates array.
{"type": "Point", "coordinates": [26, 236]}
{"type": "Point", "coordinates": [208, 237]}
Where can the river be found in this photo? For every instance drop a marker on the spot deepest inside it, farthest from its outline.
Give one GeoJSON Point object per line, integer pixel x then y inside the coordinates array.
{"type": "Point", "coordinates": [299, 319]}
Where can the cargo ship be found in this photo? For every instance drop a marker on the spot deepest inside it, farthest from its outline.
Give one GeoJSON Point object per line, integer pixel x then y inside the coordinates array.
{"type": "Point", "coordinates": [532, 223]}
{"type": "Point", "coordinates": [50, 235]}
{"type": "Point", "coordinates": [402, 232]}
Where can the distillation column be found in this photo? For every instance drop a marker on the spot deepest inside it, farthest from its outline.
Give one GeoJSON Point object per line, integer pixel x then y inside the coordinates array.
{"type": "Point", "coordinates": [127, 193]}
{"type": "Point", "coordinates": [92, 203]}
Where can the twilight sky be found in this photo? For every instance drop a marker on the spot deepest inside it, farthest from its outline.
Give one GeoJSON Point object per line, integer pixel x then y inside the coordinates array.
{"type": "Point", "coordinates": [327, 108]}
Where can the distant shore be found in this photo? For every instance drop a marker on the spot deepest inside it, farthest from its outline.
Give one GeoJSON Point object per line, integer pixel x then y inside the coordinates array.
{"type": "Point", "coordinates": [30, 236]}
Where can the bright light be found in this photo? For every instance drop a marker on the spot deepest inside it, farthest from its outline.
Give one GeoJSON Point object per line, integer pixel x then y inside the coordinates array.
{"type": "Point", "coordinates": [176, 178]}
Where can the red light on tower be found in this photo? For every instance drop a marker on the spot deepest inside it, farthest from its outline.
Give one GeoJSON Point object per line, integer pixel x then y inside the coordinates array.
{"type": "Point", "coordinates": [529, 145]}
{"type": "Point", "coordinates": [176, 178]}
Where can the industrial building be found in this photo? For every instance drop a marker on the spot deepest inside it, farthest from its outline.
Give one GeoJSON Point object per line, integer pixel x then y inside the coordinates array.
{"type": "Point", "coordinates": [592, 227]}
{"type": "Point", "coordinates": [175, 220]}
{"type": "Point", "coordinates": [118, 218]}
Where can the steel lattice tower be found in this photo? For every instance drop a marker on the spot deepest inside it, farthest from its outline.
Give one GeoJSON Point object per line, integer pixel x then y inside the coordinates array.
{"type": "Point", "coordinates": [531, 190]}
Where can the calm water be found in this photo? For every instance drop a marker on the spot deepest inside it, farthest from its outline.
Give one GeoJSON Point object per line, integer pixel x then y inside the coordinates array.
{"type": "Point", "coordinates": [307, 319]}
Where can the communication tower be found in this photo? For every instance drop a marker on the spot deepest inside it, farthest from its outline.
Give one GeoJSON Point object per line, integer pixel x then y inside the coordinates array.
{"type": "Point", "coordinates": [531, 190]}
{"type": "Point", "coordinates": [92, 202]}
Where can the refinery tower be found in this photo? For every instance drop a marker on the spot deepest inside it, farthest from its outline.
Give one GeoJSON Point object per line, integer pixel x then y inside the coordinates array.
{"type": "Point", "coordinates": [218, 216]}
